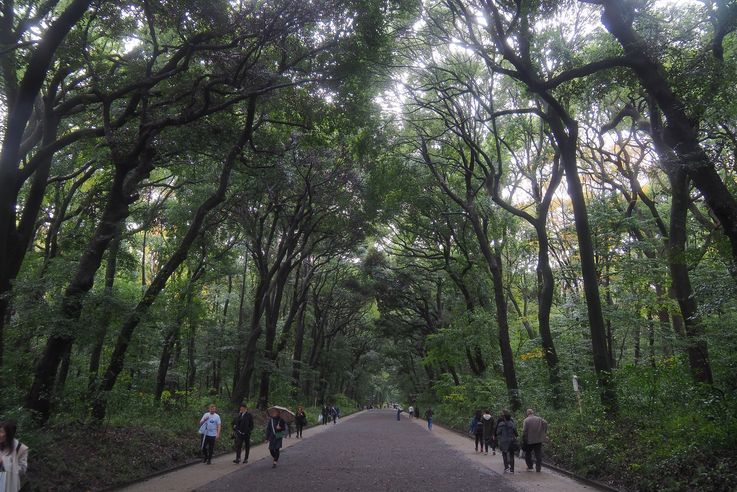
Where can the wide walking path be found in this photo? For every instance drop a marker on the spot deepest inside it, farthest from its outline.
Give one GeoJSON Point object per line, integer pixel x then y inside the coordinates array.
{"type": "Point", "coordinates": [370, 450]}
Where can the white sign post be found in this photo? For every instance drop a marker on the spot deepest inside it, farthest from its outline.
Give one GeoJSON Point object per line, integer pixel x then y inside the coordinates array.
{"type": "Point", "coordinates": [577, 390]}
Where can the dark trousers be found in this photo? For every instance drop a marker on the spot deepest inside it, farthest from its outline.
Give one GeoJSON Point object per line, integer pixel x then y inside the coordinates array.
{"type": "Point", "coordinates": [274, 454]}
{"type": "Point", "coordinates": [479, 441]}
{"type": "Point", "coordinates": [208, 446]}
{"type": "Point", "coordinates": [299, 430]}
{"type": "Point", "coordinates": [325, 419]}
{"type": "Point", "coordinates": [537, 448]}
{"type": "Point", "coordinates": [242, 440]}
{"type": "Point", "coordinates": [508, 457]}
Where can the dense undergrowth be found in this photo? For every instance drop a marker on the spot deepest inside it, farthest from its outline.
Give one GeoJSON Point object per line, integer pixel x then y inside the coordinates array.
{"type": "Point", "coordinates": [668, 435]}
{"type": "Point", "coordinates": [140, 439]}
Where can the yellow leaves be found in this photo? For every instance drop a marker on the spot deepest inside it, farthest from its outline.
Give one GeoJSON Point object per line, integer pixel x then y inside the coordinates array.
{"type": "Point", "coordinates": [537, 353]}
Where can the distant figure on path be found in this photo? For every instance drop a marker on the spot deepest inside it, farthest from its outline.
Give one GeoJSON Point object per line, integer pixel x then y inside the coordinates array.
{"type": "Point", "coordinates": [210, 425]}
{"type": "Point", "coordinates": [428, 417]}
{"type": "Point", "coordinates": [506, 432]}
{"type": "Point", "coordinates": [477, 430]}
{"type": "Point", "coordinates": [334, 414]}
{"type": "Point", "coordinates": [534, 431]}
{"type": "Point", "coordinates": [242, 427]}
{"type": "Point", "coordinates": [274, 433]}
{"type": "Point", "coordinates": [411, 412]}
{"type": "Point", "coordinates": [13, 456]}
{"type": "Point", "coordinates": [399, 412]}
{"type": "Point", "coordinates": [300, 418]}
{"type": "Point", "coordinates": [325, 414]}
{"type": "Point", "coordinates": [489, 432]}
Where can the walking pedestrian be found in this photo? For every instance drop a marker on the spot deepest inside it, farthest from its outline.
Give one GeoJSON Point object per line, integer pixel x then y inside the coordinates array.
{"type": "Point", "coordinates": [334, 414]}
{"type": "Point", "coordinates": [534, 432]}
{"type": "Point", "coordinates": [325, 414]}
{"type": "Point", "coordinates": [428, 417]}
{"type": "Point", "coordinates": [13, 456]}
{"type": "Point", "coordinates": [506, 435]}
{"type": "Point", "coordinates": [210, 425]}
{"type": "Point", "coordinates": [411, 412]}
{"type": "Point", "coordinates": [399, 412]}
{"type": "Point", "coordinates": [274, 433]}
{"type": "Point", "coordinates": [489, 435]}
{"type": "Point", "coordinates": [242, 427]}
{"type": "Point", "coordinates": [300, 418]}
{"type": "Point", "coordinates": [477, 430]}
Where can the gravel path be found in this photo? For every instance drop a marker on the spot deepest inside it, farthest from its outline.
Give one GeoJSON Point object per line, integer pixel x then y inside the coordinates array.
{"type": "Point", "coordinates": [369, 452]}
{"type": "Point", "coordinates": [365, 451]}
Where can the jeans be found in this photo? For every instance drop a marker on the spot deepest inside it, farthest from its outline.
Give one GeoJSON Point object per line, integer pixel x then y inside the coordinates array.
{"type": "Point", "coordinates": [429, 423]}
{"type": "Point", "coordinates": [208, 446]}
{"type": "Point", "coordinates": [242, 440]}
{"type": "Point", "coordinates": [508, 457]}
{"type": "Point", "coordinates": [479, 441]}
{"type": "Point", "coordinates": [537, 449]}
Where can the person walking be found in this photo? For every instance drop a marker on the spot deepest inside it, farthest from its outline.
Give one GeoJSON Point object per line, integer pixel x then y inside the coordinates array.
{"type": "Point", "coordinates": [13, 456]}
{"type": "Point", "coordinates": [242, 427]}
{"type": "Point", "coordinates": [399, 412]}
{"type": "Point", "coordinates": [506, 435]}
{"type": "Point", "coordinates": [477, 430]}
{"type": "Point", "coordinates": [411, 412]}
{"type": "Point", "coordinates": [489, 435]}
{"type": "Point", "coordinates": [300, 419]}
{"type": "Point", "coordinates": [534, 432]}
{"type": "Point", "coordinates": [210, 425]}
{"type": "Point", "coordinates": [428, 417]}
{"type": "Point", "coordinates": [325, 414]}
{"type": "Point", "coordinates": [274, 433]}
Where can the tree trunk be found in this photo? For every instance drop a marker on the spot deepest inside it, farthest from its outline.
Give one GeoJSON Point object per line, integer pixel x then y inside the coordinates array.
{"type": "Point", "coordinates": [698, 353]}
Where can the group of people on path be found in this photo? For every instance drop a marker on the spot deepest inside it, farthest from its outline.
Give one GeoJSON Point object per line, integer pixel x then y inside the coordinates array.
{"type": "Point", "coordinates": [330, 412]}
{"type": "Point", "coordinates": [502, 432]}
{"type": "Point", "coordinates": [276, 426]}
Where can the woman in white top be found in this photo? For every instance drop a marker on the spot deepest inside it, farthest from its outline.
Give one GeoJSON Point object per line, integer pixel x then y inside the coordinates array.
{"type": "Point", "coordinates": [13, 458]}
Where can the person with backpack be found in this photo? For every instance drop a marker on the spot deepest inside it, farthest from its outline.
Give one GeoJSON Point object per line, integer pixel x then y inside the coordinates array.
{"type": "Point", "coordinates": [477, 430]}
{"type": "Point", "coordinates": [13, 457]}
{"type": "Point", "coordinates": [506, 435]}
{"type": "Point", "coordinates": [489, 434]}
{"type": "Point", "coordinates": [242, 427]}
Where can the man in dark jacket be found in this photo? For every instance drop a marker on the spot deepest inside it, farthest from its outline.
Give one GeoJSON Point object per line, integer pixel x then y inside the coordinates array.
{"type": "Point", "coordinates": [534, 433]}
{"type": "Point", "coordinates": [242, 427]}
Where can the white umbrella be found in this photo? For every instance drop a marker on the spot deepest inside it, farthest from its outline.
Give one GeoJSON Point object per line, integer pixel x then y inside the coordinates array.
{"type": "Point", "coordinates": [285, 413]}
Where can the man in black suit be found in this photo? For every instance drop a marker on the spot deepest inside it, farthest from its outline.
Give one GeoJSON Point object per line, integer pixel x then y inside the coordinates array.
{"type": "Point", "coordinates": [242, 427]}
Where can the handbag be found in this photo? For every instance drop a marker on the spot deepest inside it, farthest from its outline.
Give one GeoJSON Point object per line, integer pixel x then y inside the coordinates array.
{"type": "Point", "coordinates": [203, 427]}
{"type": "Point", "coordinates": [514, 445]}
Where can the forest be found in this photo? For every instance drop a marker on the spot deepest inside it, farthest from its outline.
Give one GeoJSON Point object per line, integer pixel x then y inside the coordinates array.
{"type": "Point", "coordinates": [462, 204]}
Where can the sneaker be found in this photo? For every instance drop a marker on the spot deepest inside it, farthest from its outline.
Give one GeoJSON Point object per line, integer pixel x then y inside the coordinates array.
{"type": "Point", "coordinates": [209, 462]}
{"type": "Point", "coordinates": [236, 461]}
{"type": "Point", "coordinates": [273, 465]}
{"type": "Point", "coordinates": [486, 452]}
{"type": "Point", "coordinates": [245, 461]}
{"type": "Point", "coordinates": [530, 469]}
{"type": "Point", "coordinates": [506, 469]}
{"type": "Point", "coordinates": [511, 471]}
{"type": "Point", "coordinates": [493, 453]}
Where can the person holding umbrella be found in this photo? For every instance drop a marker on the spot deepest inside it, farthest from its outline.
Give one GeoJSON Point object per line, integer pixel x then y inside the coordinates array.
{"type": "Point", "coordinates": [275, 430]}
